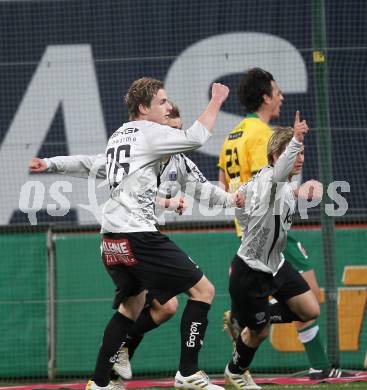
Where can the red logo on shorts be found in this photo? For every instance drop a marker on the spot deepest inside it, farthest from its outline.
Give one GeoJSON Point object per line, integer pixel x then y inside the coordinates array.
{"type": "Point", "coordinates": [117, 252]}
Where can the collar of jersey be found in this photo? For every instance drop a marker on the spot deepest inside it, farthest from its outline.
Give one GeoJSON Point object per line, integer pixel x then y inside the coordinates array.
{"type": "Point", "coordinates": [252, 115]}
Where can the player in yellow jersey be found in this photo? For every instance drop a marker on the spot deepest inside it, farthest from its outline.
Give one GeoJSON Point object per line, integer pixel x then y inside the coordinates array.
{"type": "Point", "coordinates": [243, 154]}
{"type": "Point", "coordinates": [244, 150]}
{"type": "Point", "coordinates": [246, 143]}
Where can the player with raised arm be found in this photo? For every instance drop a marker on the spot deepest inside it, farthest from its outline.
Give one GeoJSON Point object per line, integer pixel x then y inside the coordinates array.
{"type": "Point", "coordinates": [259, 270]}
{"type": "Point", "coordinates": [183, 170]}
{"type": "Point", "coordinates": [135, 254]}
{"type": "Point", "coordinates": [242, 155]}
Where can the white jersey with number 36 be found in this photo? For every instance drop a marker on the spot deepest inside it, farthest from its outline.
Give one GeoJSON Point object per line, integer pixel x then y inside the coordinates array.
{"type": "Point", "coordinates": [133, 154]}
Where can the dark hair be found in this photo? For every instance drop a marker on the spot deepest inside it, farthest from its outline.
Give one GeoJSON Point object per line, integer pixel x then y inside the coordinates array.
{"type": "Point", "coordinates": [254, 83]}
{"type": "Point", "coordinates": [175, 111]}
{"type": "Point", "coordinates": [142, 92]}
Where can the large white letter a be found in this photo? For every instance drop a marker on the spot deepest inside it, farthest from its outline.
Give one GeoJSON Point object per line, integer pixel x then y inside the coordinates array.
{"type": "Point", "coordinates": [65, 76]}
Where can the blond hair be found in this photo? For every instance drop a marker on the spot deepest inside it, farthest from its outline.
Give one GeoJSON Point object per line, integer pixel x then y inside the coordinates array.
{"type": "Point", "coordinates": [279, 141]}
{"type": "Point", "coordinates": [142, 92]}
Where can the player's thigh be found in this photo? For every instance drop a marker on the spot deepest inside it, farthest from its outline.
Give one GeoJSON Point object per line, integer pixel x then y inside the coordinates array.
{"type": "Point", "coordinates": [310, 277]}
{"type": "Point", "coordinates": [249, 291]}
{"type": "Point", "coordinates": [132, 306]}
{"type": "Point", "coordinates": [305, 306]}
{"type": "Point", "coordinates": [290, 288]}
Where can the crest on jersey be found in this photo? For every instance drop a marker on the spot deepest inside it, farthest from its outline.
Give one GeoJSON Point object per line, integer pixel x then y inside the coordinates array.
{"type": "Point", "coordinates": [172, 176]}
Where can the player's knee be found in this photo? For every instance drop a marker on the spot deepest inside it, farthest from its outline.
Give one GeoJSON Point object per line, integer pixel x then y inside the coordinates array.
{"type": "Point", "coordinates": [132, 307]}
{"type": "Point", "coordinates": [315, 312]}
{"type": "Point", "coordinates": [170, 308]}
{"type": "Point", "coordinates": [317, 293]}
{"type": "Point", "coordinates": [203, 291]}
{"type": "Point", "coordinates": [312, 313]}
{"type": "Point", "coordinates": [209, 292]}
{"type": "Point", "coordinates": [257, 336]}
{"type": "Point", "coordinates": [263, 334]}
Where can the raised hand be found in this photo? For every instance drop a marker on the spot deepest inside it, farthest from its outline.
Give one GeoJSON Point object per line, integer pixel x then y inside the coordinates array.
{"type": "Point", "coordinates": [37, 165]}
{"type": "Point", "coordinates": [220, 91]}
{"type": "Point", "coordinates": [219, 95]}
{"type": "Point", "coordinates": [300, 127]}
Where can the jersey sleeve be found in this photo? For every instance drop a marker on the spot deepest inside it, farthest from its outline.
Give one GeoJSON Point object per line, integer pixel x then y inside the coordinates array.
{"type": "Point", "coordinates": [165, 140]}
{"type": "Point", "coordinates": [78, 165]}
{"type": "Point", "coordinates": [284, 165]}
{"type": "Point", "coordinates": [243, 214]}
{"type": "Point", "coordinates": [192, 172]}
{"type": "Point", "coordinates": [205, 192]}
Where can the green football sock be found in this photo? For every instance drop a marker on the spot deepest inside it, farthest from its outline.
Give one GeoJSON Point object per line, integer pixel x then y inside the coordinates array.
{"type": "Point", "coordinates": [311, 340]}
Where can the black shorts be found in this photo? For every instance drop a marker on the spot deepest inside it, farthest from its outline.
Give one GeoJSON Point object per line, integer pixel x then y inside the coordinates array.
{"type": "Point", "coordinates": [147, 260]}
{"type": "Point", "coordinates": [288, 283]}
{"type": "Point", "coordinates": [160, 295]}
{"type": "Point", "coordinates": [250, 291]}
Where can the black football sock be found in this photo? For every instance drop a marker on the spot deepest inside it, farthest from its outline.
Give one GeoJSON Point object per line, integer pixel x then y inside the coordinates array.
{"type": "Point", "coordinates": [133, 343]}
{"type": "Point", "coordinates": [194, 322]}
{"type": "Point", "coordinates": [143, 324]}
{"type": "Point", "coordinates": [241, 358]}
{"type": "Point", "coordinates": [113, 339]}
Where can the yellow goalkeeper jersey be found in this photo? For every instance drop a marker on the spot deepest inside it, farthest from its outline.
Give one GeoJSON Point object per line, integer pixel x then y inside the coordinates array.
{"type": "Point", "coordinates": [244, 152]}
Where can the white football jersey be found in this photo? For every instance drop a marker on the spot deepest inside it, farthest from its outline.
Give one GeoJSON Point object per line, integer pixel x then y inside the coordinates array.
{"type": "Point", "coordinates": [179, 171]}
{"type": "Point", "coordinates": [134, 153]}
{"type": "Point", "coordinates": [174, 174]}
{"type": "Point", "coordinates": [267, 215]}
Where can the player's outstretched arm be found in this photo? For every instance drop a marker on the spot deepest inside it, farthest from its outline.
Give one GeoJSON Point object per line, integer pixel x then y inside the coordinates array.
{"type": "Point", "coordinates": [222, 179]}
{"type": "Point", "coordinates": [165, 140]}
{"type": "Point", "coordinates": [284, 164]}
{"type": "Point", "coordinates": [177, 204]}
{"type": "Point", "coordinates": [76, 166]}
{"type": "Point", "coordinates": [204, 191]}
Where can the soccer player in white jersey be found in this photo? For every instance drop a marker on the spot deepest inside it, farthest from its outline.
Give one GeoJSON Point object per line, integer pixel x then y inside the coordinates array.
{"type": "Point", "coordinates": [135, 254]}
{"type": "Point", "coordinates": [176, 171]}
{"type": "Point", "coordinates": [259, 270]}
{"type": "Point", "coordinates": [243, 154]}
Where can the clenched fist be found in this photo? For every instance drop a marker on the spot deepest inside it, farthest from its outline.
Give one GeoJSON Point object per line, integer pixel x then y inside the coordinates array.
{"type": "Point", "coordinates": [37, 165]}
